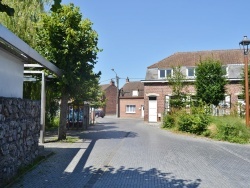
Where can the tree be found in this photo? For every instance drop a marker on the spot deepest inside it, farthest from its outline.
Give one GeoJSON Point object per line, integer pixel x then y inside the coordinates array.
{"type": "Point", "coordinates": [176, 82]}
{"type": "Point", "coordinates": [4, 7]}
{"type": "Point", "coordinates": [22, 23]}
{"type": "Point", "coordinates": [7, 9]}
{"type": "Point", "coordinates": [71, 44]}
{"type": "Point", "coordinates": [210, 81]}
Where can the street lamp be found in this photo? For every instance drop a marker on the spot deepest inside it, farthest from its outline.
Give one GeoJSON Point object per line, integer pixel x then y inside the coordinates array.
{"type": "Point", "coordinates": [117, 93]}
{"type": "Point", "coordinates": [245, 42]}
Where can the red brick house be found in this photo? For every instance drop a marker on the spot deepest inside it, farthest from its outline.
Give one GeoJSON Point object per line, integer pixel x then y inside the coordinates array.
{"type": "Point", "coordinates": [131, 100]}
{"type": "Point", "coordinates": [110, 93]}
{"type": "Point", "coordinates": [158, 93]}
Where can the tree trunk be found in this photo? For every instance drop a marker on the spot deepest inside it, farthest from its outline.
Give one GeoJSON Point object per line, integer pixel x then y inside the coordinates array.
{"type": "Point", "coordinates": [63, 116]}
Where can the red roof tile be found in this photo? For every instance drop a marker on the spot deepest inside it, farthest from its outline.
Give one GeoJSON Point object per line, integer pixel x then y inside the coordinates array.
{"type": "Point", "coordinates": [193, 58]}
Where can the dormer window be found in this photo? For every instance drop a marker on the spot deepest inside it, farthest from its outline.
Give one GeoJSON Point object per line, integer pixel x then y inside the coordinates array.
{"type": "Point", "coordinates": [164, 73]}
{"type": "Point", "coordinates": [191, 72]}
{"type": "Point", "coordinates": [135, 93]}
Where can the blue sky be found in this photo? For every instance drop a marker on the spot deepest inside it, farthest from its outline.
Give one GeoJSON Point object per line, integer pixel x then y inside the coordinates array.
{"type": "Point", "coordinates": [135, 34]}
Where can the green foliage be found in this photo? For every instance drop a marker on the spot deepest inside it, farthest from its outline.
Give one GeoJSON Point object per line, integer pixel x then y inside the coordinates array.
{"type": "Point", "coordinates": [56, 5]}
{"type": "Point", "coordinates": [22, 23]}
{"type": "Point", "coordinates": [169, 121]}
{"type": "Point", "coordinates": [210, 81]}
{"type": "Point", "coordinates": [231, 129]}
{"type": "Point", "coordinates": [10, 10]}
{"type": "Point", "coordinates": [178, 101]}
{"type": "Point", "coordinates": [226, 128]}
{"type": "Point", "coordinates": [176, 82]}
{"type": "Point", "coordinates": [193, 123]}
{"type": "Point", "coordinates": [71, 44]}
{"type": "Point", "coordinates": [5, 8]}
{"type": "Point", "coordinates": [196, 121]}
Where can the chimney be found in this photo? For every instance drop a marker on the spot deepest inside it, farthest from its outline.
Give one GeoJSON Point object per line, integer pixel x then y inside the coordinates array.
{"type": "Point", "coordinates": [127, 80]}
{"type": "Point", "coordinates": [112, 83]}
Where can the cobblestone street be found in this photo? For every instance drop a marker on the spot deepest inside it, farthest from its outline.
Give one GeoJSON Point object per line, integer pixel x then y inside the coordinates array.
{"type": "Point", "coordinates": [132, 153]}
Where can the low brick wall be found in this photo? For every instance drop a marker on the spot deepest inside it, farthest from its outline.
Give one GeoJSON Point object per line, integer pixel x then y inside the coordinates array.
{"type": "Point", "coordinates": [19, 135]}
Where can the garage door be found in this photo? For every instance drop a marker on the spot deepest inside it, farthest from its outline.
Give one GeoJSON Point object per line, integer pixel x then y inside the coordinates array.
{"type": "Point", "coordinates": [152, 107]}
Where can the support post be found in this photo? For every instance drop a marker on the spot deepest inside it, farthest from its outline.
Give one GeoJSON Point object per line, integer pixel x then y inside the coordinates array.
{"type": "Point", "coordinates": [246, 89]}
{"type": "Point", "coordinates": [43, 106]}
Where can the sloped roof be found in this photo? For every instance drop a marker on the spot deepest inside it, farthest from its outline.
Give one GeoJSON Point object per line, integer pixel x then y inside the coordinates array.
{"type": "Point", "coordinates": [193, 58]}
{"type": "Point", "coordinates": [104, 86]}
{"type": "Point", "coordinates": [129, 87]}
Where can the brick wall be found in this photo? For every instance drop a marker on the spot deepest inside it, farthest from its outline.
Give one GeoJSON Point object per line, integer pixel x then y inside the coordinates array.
{"type": "Point", "coordinates": [137, 102]}
{"type": "Point", "coordinates": [162, 89]}
{"type": "Point", "coordinates": [234, 90]}
{"type": "Point", "coordinates": [110, 95]}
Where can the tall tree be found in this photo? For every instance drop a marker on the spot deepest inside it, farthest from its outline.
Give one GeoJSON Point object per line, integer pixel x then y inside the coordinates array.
{"type": "Point", "coordinates": [210, 81]}
{"type": "Point", "coordinates": [71, 44]}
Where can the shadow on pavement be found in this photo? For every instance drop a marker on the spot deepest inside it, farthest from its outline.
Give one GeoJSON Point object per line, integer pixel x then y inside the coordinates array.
{"type": "Point", "coordinates": [53, 173]}
{"type": "Point", "coordinates": [136, 177]}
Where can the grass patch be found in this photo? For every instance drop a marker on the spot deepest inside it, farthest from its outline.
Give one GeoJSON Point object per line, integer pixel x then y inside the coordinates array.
{"type": "Point", "coordinates": [231, 129]}
{"type": "Point", "coordinates": [69, 139]}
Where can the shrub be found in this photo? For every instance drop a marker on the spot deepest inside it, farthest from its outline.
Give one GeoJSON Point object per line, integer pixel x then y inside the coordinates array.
{"type": "Point", "coordinates": [193, 123]}
{"type": "Point", "coordinates": [168, 121]}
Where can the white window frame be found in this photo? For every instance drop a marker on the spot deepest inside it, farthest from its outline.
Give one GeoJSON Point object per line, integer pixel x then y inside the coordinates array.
{"type": "Point", "coordinates": [188, 68]}
{"type": "Point", "coordinates": [130, 108]}
{"type": "Point", "coordinates": [165, 73]}
{"type": "Point", "coordinates": [226, 67]}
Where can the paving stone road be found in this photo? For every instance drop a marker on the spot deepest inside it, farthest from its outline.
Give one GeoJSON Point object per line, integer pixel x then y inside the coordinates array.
{"type": "Point", "coordinates": [130, 153]}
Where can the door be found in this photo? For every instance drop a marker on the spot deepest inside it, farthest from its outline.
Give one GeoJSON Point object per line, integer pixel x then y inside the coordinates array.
{"type": "Point", "coordinates": [152, 109]}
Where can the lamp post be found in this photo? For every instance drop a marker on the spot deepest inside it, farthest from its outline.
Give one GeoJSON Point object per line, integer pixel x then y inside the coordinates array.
{"type": "Point", "coordinates": [117, 93]}
{"type": "Point", "coordinates": [245, 42]}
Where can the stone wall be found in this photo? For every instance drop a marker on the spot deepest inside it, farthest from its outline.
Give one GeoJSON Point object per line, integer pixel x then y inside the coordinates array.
{"type": "Point", "coordinates": [19, 135]}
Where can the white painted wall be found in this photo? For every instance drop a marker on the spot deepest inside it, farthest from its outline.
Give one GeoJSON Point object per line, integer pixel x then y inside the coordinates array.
{"type": "Point", "coordinates": [11, 75]}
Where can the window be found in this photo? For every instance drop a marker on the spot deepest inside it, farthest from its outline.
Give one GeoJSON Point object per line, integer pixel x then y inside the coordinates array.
{"type": "Point", "coordinates": [169, 72]}
{"type": "Point", "coordinates": [135, 93]}
{"type": "Point", "coordinates": [225, 70]}
{"type": "Point", "coordinates": [162, 74]}
{"type": "Point", "coordinates": [165, 73]}
{"type": "Point", "coordinates": [226, 103]}
{"type": "Point", "coordinates": [190, 72]}
{"type": "Point", "coordinates": [130, 108]}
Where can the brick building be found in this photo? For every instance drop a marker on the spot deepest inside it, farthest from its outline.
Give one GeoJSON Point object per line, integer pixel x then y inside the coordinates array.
{"type": "Point", "coordinates": [158, 93]}
{"type": "Point", "coordinates": [131, 100]}
{"type": "Point", "coordinates": [110, 94]}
